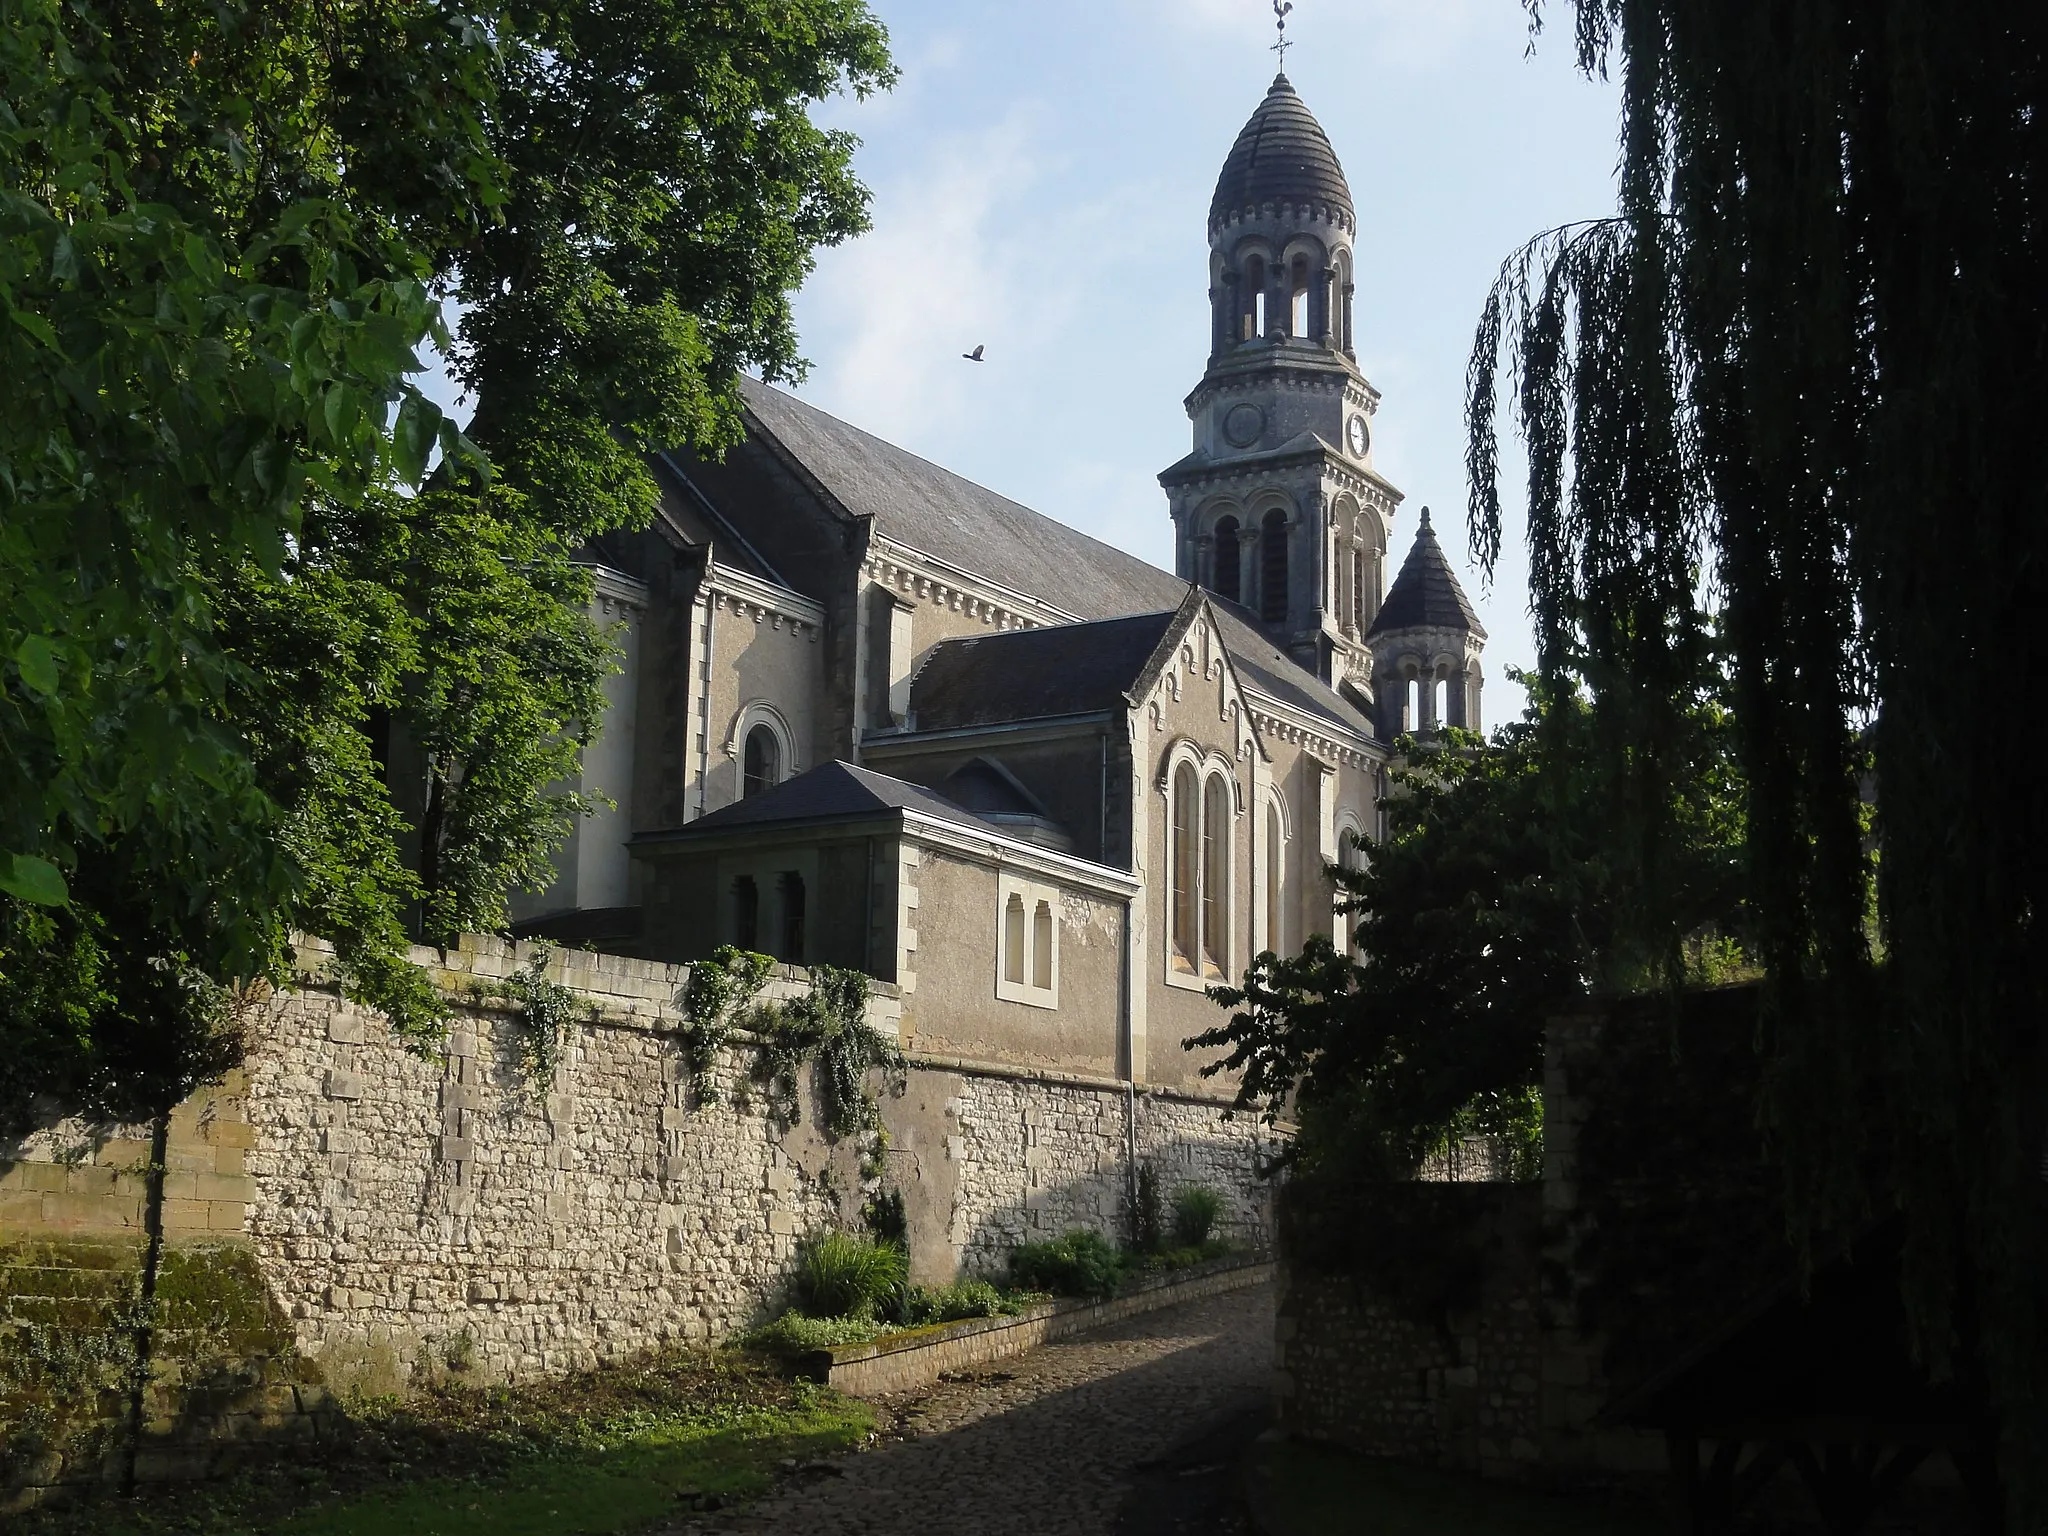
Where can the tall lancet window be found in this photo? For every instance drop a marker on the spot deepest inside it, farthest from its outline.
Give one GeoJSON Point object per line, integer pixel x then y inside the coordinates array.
{"type": "Point", "coordinates": [1187, 814]}
{"type": "Point", "coordinates": [1216, 876]}
{"type": "Point", "coordinates": [1228, 577]}
{"type": "Point", "coordinates": [1273, 567]}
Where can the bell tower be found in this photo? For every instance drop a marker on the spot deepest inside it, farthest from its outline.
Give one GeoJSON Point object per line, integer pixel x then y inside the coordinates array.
{"type": "Point", "coordinates": [1278, 508]}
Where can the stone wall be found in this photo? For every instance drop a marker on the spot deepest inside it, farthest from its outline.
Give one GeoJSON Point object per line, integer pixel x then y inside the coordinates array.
{"type": "Point", "coordinates": [406, 1214]}
{"type": "Point", "coordinates": [1452, 1380]}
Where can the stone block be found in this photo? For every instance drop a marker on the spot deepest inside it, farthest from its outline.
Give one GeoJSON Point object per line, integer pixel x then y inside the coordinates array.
{"type": "Point", "coordinates": [461, 1096]}
{"type": "Point", "coordinates": [236, 1187]}
{"type": "Point", "coordinates": [185, 1216]}
{"type": "Point", "coordinates": [455, 1149]}
{"type": "Point", "coordinates": [345, 1027]}
{"type": "Point", "coordinates": [674, 1118]}
{"type": "Point", "coordinates": [781, 1223]}
{"type": "Point", "coordinates": [343, 1085]}
{"type": "Point", "coordinates": [461, 1043]}
{"type": "Point", "coordinates": [44, 1178]}
{"type": "Point", "coordinates": [21, 1208]}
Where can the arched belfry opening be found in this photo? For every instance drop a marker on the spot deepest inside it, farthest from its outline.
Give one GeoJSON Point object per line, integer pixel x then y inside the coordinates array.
{"type": "Point", "coordinates": [1227, 579]}
{"type": "Point", "coordinates": [1273, 567]}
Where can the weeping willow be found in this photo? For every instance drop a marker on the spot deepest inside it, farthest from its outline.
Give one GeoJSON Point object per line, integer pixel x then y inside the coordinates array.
{"type": "Point", "coordinates": [1794, 391]}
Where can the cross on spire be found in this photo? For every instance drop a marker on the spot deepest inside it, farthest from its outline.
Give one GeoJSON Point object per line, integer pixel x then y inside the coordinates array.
{"type": "Point", "coordinates": [1280, 10]}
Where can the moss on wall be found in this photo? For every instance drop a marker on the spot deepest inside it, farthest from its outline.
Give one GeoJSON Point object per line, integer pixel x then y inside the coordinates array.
{"type": "Point", "coordinates": [68, 1312]}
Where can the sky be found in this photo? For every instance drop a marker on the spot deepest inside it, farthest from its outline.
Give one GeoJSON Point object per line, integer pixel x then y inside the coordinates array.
{"type": "Point", "coordinates": [1041, 180]}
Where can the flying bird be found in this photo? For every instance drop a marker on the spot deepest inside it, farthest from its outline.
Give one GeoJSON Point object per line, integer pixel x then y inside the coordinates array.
{"type": "Point", "coordinates": [975, 356]}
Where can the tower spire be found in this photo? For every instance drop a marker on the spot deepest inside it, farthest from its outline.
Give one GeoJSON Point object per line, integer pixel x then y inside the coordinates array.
{"type": "Point", "coordinates": [1280, 11]}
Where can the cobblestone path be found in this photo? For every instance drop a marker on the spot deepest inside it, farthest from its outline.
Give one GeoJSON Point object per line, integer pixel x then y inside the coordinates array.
{"type": "Point", "coordinates": [1073, 1439]}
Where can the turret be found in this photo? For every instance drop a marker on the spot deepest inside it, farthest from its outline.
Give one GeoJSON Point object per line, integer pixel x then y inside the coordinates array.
{"type": "Point", "coordinates": [1425, 646]}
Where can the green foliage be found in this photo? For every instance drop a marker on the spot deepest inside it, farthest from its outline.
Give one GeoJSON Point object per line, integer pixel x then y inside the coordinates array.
{"type": "Point", "coordinates": [251, 649]}
{"type": "Point", "coordinates": [1148, 1212]}
{"type": "Point", "coordinates": [840, 1275]}
{"type": "Point", "coordinates": [547, 1015]}
{"type": "Point", "coordinates": [886, 1218]}
{"type": "Point", "coordinates": [1509, 1118]}
{"type": "Point", "coordinates": [1079, 1262]}
{"type": "Point", "coordinates": [718, 995]}
{"type": "Point", "coordinates": [919, 1306]}
{"type": "Point", "coordinates": [624, 1447]}
{"type": "Point", "coordinates": [1503, 890]}
{"type": "Point", "coordinates": [793, 1333]}
{"type": "Point", "coordinates": [1796, 378]}
{"type": "Point", "coordinates": [1196, 1208]}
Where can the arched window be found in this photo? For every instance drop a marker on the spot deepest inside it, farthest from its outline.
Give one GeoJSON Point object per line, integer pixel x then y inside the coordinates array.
{"type": "Point", "coordinates": [1358, 619]}
{"type": "Point", "coordinates": [1216, 875]}
{"type": "Point", "coordinates": [1411, 712]}
{"type": "Point", "coordinates": [792, 949]}
{"type": "Point", "coordinates": [1255, 287]}
{"type": "Point", "coordinates": [1273, 567]}
{"type": "Point", "coordinates": [1276, 864]}
{"type": "Point", "coordinates": [1041, 946]}
{"type": "Point", "coordinates": [1227, 580]}
{"type": "Point", "coordinates": [1013, 939]}
{"type": "Point", "coordinates": [1297, 319]}
{"type": "Point", "coordinates": [1186, 872]}
{"type": "Point", "coordinates": [763, 765]}
{"type": "Point", "coordinates": [746, 913]}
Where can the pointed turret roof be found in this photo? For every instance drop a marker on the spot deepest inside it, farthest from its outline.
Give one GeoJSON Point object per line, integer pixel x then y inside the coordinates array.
{"type": "Point", "coordinates": [1282, 155]}
{"type": "Point", "coordinates": [1426, 595]}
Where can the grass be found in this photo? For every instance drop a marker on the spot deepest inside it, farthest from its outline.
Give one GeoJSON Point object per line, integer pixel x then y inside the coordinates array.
{"type": "Point", "coordinates": [1301, 1489]}
{"type": "Point", "coordinates": [613, 1450]}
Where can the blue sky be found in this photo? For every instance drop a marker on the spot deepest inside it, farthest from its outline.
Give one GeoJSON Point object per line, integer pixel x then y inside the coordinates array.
{"type": "Point", "coordinates": [1041, 182]}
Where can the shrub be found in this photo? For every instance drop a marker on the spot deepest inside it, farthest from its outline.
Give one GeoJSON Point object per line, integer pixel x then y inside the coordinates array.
{"type": "Point", "coordinates": [912, 1306]}
{"type": "Point", "coordinates": [1079, 1262]}
{"type": "Point", "coordinates": [842, 1276]}
{"type": "Point", "coordinates": [887, 1221]}
{"type": "Point", "coordinates": [1195, 1210]}
{"type": "Point", "coordinates": [1148, 1223]}
{"type": "Point", "coordinates": [794, 1334]}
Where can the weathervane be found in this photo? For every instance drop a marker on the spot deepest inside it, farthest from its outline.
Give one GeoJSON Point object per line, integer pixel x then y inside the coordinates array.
{"type": "Point", "coordinates": [1280, 10]}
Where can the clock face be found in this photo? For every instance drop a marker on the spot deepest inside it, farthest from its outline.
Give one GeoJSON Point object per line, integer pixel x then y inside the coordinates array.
{"type": "Point", "coordinates": [1356, 432]}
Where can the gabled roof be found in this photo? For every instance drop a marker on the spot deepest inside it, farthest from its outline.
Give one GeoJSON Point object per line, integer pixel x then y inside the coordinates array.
{"type": "Point", "coordinates": [916, 503]}
{"type": "Point", "coordinates": [1426, 594]}
{"type": "Point", "coordinates": [1033, 674]}
{"type": "Point", "coordinates": [830, 792]}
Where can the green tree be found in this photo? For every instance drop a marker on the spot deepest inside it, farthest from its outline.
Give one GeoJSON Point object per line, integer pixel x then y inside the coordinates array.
{"type": "Point", "coordinates": [1805, 359]}
{"type": "Point", "coordinates": [1503, 889]}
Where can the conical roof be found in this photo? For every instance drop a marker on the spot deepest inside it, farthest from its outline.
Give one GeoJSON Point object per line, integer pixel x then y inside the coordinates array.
{"type": "Point", "coordinates": [1426, 595]}
{"type": "Point", "coordinates": [1281, 156]}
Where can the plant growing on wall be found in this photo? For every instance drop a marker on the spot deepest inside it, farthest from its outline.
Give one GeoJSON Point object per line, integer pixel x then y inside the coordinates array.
{"type": "Point", "coordinates": [720, 991]}
{"type": "Point", "coordinates": [547, 1014]}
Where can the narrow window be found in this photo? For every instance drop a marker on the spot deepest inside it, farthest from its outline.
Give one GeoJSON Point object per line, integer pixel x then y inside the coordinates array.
{"type": "Point", "coordinates": [1216, 874]}
{"type": "Point", "coordinates": [1441, 704]}
{"type": "Point", "coordinates": [746, 913]}
{"type": "Point", "coordinates": [1276, 940]}
{"type": "Point", "coordinates": [1255, 291]}
{"type": "Point", "coordinates": [1226, 582]}
{"type": "Point", "coordinates": [1273, 567]}
{"type": "Point", "coordinates": [1358, 620]}
{"type": "Point", "coordinates": [792, 917]}
{"type": "Point", "coordinates": [1298, 310]}
{"type": "Point", "coordinates": [1041, 947]}
{"type": "Point", "coordinates": [1411, 712]}
{"type": "Point", "coordinates": [1259, 314]}
{"type": "Point", "coordinates": [1185, 874]}
{"type": "Point", "coordinates": [1013, 939]}
{"type": "Point", "coordinates": [763, 765]}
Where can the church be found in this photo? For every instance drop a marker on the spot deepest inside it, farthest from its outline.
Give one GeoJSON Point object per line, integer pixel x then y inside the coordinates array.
{"type": "Point", "coordinates": [870, 714]}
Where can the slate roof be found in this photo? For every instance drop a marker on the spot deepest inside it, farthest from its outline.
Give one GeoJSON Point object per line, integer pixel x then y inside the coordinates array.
{"type": "Point", "coordinates": [1281, 155]}
{"type": "Point", "coordinates": [1426, 594]}
{"type": "Point", "coordinates": [829, 792]}
{"type": "Point", "coordinates": [918, 504]}
{"type": "Point", "coordinates": [915, 502]}
{"type": "Point", "coordinates": [1033, 674]}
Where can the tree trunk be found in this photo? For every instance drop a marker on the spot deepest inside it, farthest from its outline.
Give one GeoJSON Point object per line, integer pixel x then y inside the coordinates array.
{"type": "Point", "coordinates": [145, 1317]}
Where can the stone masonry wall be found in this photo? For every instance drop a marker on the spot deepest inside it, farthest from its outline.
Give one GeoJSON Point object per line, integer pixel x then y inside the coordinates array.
{"type": "Point", "coordinates": [403, 1214]}
{"type": "Point", "coordinates": [1456, 1386]}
